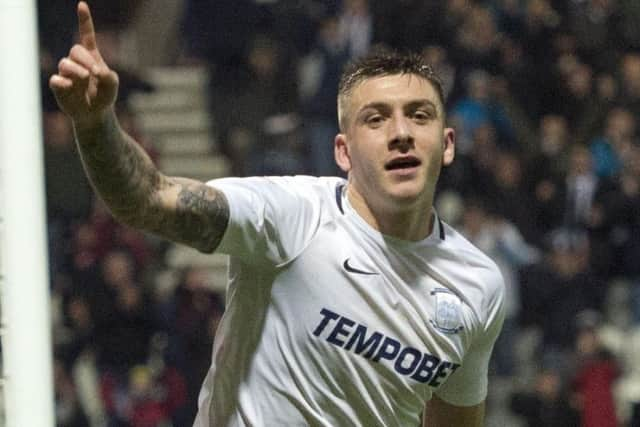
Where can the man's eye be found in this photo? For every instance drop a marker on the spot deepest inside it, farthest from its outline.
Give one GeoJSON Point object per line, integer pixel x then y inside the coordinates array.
{"type": "Point", "coordinates": [373, 120]}
{"type": "Point", "coordinates": [421, 115]}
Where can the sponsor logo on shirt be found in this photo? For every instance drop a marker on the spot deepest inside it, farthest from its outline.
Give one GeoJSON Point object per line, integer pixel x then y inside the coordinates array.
{"type": "Point", "coordinates": [373, 345]}
{"type": "Point", "coordinates": [351, 269]}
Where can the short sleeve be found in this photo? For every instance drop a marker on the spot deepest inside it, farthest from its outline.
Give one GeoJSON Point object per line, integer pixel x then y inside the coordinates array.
{"type": "Point", "coordinates": [271, 219]}
{"type": "Point", "coordinates": [467, 386]}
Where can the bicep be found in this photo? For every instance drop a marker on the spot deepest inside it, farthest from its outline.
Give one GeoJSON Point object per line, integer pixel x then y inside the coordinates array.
{"type": "Point", "coordinates": [438, 413]}
{"type": "Point", "coordinates": [189, 212]}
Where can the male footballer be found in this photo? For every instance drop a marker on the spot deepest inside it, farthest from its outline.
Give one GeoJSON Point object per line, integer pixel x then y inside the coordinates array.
{"type": "Point", "coordinates": [350, 302]}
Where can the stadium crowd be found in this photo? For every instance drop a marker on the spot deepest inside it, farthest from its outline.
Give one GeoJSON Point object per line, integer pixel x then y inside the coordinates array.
{"type": "Point", "coordinates": [545, 99]}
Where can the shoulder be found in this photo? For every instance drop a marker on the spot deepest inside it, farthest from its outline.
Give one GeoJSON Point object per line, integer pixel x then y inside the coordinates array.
{"type": "Point", "coordinates": [471, 257]}
{"type": "Point", "coordinates": [283, 197]}
{"type": "Point", "coordinates": [304, 185]}
{"type": "Point", "coordinates": [274, 218]}
{"type": "Point", "coordinates": [485, 284]}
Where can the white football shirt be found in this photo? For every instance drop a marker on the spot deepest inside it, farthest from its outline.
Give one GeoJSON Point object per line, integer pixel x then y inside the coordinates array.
{"type": "Point", "coordinates": [331, 323]}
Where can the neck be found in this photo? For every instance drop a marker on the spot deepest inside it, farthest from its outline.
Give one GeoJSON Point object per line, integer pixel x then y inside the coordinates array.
{"type": "Point", "coordinates": [412, 223]}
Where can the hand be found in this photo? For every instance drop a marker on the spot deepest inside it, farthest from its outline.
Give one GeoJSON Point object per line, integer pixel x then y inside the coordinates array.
{"type": "Point", "coordinates": [85, 87]}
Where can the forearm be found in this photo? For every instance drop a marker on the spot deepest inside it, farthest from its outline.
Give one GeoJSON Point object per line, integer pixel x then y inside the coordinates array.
{"type": "Point", "coordinates": [121, 172]}
{"type": "Point", "coordinates": [179, 209]}
{"type": "Point", "coordinates": [137, 194]}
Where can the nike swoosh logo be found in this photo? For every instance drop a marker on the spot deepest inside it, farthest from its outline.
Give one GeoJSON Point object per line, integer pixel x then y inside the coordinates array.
{"type": "Point", "coordinates": [351, 269]}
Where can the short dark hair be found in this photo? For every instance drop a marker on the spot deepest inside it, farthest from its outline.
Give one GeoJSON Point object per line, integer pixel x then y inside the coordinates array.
{"type": "Point", "coordinates": [384, 62]}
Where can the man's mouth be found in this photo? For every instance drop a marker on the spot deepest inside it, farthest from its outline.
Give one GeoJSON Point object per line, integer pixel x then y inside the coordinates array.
{"type": "Point", "coordinates": [407, 162]}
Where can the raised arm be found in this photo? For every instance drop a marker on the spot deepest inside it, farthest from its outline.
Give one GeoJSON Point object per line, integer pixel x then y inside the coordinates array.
{"type": "Point", "coordinates": [180, 209]}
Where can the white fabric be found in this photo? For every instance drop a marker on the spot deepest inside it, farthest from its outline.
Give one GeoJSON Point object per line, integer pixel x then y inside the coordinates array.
{"type": "Point", "coordinates": [331, 323]}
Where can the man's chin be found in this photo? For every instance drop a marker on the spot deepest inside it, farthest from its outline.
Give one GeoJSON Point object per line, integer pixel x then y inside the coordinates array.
{"type": "Point", "coordinates": [405, 195]}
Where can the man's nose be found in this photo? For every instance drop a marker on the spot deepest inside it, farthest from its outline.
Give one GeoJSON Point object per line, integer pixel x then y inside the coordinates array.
{"type": "Point", "coordinates": [400, 135]}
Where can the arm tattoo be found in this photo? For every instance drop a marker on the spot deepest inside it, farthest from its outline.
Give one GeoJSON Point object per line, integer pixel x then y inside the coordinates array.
{"type": "Point", "coordinates": [120, 171]}
{"type": "Point", "coordinates": [138, 194]}
{"type": "Point", "coordinates": [200, 218]}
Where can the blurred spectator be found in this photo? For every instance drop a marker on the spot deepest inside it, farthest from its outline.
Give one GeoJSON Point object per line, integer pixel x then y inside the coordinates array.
{"type": "Point", "coordinates": [609, 148]}
{"type": "Point", "coordinates": [583, 189]}
{"type": "Point", "coordinates": [478, 108]}
{"type": "Point", "coordinates": [320, 73]}
{"type": "Point", "coordinates": [282, 149]}
{"type": "Point", "coordinates": [84, 257]}
{"type": "Point", "coordinates": [123, 315]}
{"type": "Point", "coordinates": [547, 179]}
{"type": "Point", "coordinates": [439, 60]}
{"type": "Point", "coordinates": [508, 193]}
{"type": "Point", "coordinates": [576, 90]}
{"type": "Point", "coordinates": [547, 404]}
{"type": "Point", "coordinates": [147, 409]}
{"type": "Point", "coordinates": [454, 14]}
{"type": "Point", "coordinates": [100, 234]}
{"type": "Point", "coordinates": [509, 16]}
{"type": "Point", "coordinates": [265, 90]}
{"type": "Point", "coordinates": [594, 23]}
{"type": "Point", "coordinates": [472, 173]}
{"type": "Point", "coordinates": [627, 390]}
{"type": "Point", "coordinates": [79, 328]}
{"type": "Point", "coordinates": [596, 373]}
{"type": "Point", "coordinates": [615, 220]}
{"type": "Point", "coordinates": [555, 290]}
{"type": "Point", "coordinates": [192, 317]}
{"type": "Point", "coordinates": [68, 412]}
{"type": "Point", "coordinates": [63, 171]}
{"type": "Point", "coordinates": [630, 82]}
{"type": "Point", "coordinates": [541, 25]}
{"type": "Point", "coordinates": [554, 144]}
{"type": "Point", "coordinates": [146, 396]}
{"type": "Point", "coordinates": [476, 45]}
{"type": "Point", "coordinates": [517, 75]}
{"type": "Point", "coordinates": [501, 240]}
{"type": "Point", "coordinates": [355, 25]}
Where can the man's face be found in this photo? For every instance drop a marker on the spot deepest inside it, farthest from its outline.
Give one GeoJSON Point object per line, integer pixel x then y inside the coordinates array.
{"type": "Point", "coordinates": [394, 142]}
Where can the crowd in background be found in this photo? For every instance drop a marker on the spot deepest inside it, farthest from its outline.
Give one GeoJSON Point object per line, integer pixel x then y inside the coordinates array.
{"type": "Point", "coordinates": [545, 99]}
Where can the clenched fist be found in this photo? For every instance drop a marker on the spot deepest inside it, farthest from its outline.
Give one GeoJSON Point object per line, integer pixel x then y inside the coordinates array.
{"type": "Point", "coordinates": [85, 87]}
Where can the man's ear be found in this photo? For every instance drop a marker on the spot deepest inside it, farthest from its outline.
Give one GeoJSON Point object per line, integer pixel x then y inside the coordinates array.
{"type": "Point", "coordinates": [449, 142]}
{"type": "Point", "coordinates": [341, 152]}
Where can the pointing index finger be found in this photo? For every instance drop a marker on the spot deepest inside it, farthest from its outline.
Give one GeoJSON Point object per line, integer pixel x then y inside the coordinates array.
{"type": "Point", "coordinates": [85, 26]}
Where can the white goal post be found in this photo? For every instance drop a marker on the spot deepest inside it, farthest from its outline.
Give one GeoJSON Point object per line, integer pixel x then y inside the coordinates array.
{"type": "Point", "coordinates": [26, 336]}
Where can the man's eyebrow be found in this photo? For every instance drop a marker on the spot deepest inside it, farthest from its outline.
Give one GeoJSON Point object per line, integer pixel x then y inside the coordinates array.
{"type": "Point", "coordinates": [376, 105]}
{"type": "Point", "coordinates": [421, 103]}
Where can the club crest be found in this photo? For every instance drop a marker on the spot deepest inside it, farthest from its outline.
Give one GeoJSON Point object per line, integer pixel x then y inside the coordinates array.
{"type": "Point", "coordinates": [448, 315]}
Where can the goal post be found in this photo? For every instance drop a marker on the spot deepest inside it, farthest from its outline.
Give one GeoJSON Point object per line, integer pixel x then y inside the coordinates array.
{"type": "Point", "coordinates": [24, 288]}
